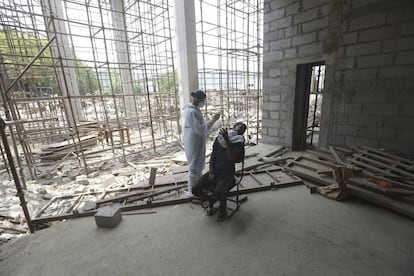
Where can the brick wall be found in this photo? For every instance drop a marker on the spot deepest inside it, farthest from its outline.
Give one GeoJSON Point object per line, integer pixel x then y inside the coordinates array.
{"type": "Point", "coordinates": [368, 48]}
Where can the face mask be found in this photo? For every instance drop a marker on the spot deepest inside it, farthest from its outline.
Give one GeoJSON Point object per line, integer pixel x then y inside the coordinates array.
{"type": "Point", "coordinates": [200, 104]}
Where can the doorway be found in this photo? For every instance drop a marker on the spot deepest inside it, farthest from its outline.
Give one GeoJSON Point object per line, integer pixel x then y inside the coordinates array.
{"type": "Point", "coordinates": [310, 83]}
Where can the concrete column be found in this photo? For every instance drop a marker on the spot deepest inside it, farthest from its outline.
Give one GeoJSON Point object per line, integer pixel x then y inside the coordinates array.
{"type": "Point", "coordinates": [186, 50]}
{"type": "Point", "coordinates": [61, 51]}
{"type": "Point", "coordinates": [122, 53]}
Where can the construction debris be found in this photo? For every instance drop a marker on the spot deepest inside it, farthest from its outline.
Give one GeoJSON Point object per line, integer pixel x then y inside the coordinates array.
{"type": "Point", "coordinates": [108, 216]}
{"type": "Point", "coordinates": [377, 176]}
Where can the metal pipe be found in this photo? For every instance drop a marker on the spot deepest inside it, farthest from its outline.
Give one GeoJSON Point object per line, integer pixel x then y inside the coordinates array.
{"type": "Point", "coordinates": [14, 173]}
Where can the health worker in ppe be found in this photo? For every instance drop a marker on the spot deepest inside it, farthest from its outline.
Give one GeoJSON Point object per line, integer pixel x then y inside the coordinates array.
{"type": "Point", "coordinates": [195, 135]}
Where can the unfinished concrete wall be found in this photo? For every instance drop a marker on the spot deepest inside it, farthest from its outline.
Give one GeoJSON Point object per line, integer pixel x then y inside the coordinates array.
{"type": "Point", "coordinates": [294, 33]}
{"type": "Point", "coordinates": [368, 47]}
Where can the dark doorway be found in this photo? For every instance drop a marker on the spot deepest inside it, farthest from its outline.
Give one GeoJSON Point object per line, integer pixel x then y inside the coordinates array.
{"type": "Point", "coordinates": [310, 80]}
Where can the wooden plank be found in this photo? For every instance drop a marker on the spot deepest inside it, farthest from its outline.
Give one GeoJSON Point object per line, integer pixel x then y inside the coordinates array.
{"type": "Point", "coordinates": [364, 183]}
{"type": "Point", "coordinates": [367, 166]}
{"type": "Point", "coordinates": [327, 164]}
{"type": "Point", "coordinates": [384, 159]}
{"type": "Point", "coordinates": [322, 155]}
{"type": "Point", "coordinates": [335, 155]}
{"type": "Point", "coordinates": [395, 157]}
{"type": "Point", "coordinates": [311, 175]}
{"type": "Point", "coordinates": [382, 165]}
{"type": "Point", "coordinates": [382, 200]}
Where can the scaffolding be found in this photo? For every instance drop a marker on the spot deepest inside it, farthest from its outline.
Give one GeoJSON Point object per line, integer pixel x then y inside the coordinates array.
{"type": "Point", "coordinates": [230, 43]}
{"type": "Point", "coordinates": [82, 78]}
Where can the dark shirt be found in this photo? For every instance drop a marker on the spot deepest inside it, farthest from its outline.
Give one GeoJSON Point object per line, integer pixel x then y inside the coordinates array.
{"type": "Point", "coordinates": [222, 165]}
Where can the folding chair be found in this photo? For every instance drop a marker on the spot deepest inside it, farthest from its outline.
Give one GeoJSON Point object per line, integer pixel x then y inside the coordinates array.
{"type": "Point", "coordinates": [212, 198]}
{"type": "Point", "coordinates": [237, 192]}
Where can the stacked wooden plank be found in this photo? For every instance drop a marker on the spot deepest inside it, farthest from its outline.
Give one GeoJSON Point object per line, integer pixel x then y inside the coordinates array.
{"type": "Point", "coordinates": [59, 150]}
{"type": "Point", "coordinates": [379, 177]}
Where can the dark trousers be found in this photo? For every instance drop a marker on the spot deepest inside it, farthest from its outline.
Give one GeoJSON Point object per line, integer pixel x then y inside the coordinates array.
{"type": "Point", "coordinates": [220, 188]}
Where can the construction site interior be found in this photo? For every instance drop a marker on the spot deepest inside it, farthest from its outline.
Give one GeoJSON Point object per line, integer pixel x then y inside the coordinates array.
{"type": "Point", "coordinates": [93, 94]}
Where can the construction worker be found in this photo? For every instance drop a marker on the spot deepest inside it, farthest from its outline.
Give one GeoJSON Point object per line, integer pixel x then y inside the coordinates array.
{"type": "Point", "coordinates": [195, 136]}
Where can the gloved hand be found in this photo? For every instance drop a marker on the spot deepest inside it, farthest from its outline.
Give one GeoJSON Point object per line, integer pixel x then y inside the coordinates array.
{"type": "Point", "coordinates": [215, 117]}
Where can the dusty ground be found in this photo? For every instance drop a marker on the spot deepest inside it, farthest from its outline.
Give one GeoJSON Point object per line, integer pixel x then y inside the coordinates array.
{"type": "Point", "coordinates": [284, 232]}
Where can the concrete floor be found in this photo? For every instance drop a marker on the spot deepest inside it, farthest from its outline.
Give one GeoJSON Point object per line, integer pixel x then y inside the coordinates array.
{"type": "Point", "coordinates": [282, 232]}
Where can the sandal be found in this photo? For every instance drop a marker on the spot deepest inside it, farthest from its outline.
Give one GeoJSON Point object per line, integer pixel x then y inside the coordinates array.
{"type": "Point", "coordinates": [211, 211]}
{"type": "Point", "coordinates": [222, 215]}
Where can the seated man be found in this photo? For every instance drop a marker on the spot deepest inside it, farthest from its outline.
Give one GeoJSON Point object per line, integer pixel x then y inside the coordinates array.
{"type": "Point", "coordinates": [228, 149]}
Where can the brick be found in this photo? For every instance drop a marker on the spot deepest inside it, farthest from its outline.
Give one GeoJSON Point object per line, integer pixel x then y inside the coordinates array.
{"type": "Point", "coordinates": [281, 23]}
{"type": "Point", "coordinates": [363, 3]}
{"type": "Point", "coordinates": [347, 130]}
{"type": "Point", "coordinates": [407, 28]}
{"type": "Point", "coordinates": [310, 49]}
{"type": "Point", "coordinates": [378, 108]}
{"type": "Point", "coordinates": [266, 6]}
{"type": "Point", "coordinates": [374, 61]}
{"type": "Point", "coordinates": [341, 118]}
{"type": "Point", "coordinates": [400, 122]}
{"type": "Point", "coordinates": [378, 133]}
{"type": "Point", "coordinates": [405, 58]}
{"type": "Point", "coordinates": [304, 39]}
{"type": "Point", "coordinates": [274, 5]}
{"type": "Point", "coordinates": [280, 44]}
{"type": "Point", "coordinates": [267, 123]}
{"type": "Point", "coordinates": [271, 82]}
{"type": "Point", "coordinates": [108, 216]}
{"type": "Point", "coordinates": [305, 16]}
{"type": "Point", "coordinates": [314, 25]}
{"type": "Point", "coordinates": [405, 135]}
{"type": "Point", "coordinates": [353, 108]}
{"type": "Point", "coordinates": [368, 92]}
{"type": "Point", "coordinates": [368, 21]}
{"type": "Point", "coordinates": [337, 140]}
{"type": "Point", "coordinates": [274, 115]}
{"type": "Point", "coordinates": [266, 28]}
{"type": "Point", "coordinates": [395, 45]}
{"type": "Point", "coordinates": [360, 74]}
{"type": "Point", "coordinates": [266, 47]}
{"type": "Point", "coordinates": [365, 120]}
{"type": "Point", "coordinates": [292, 9]}
{"type": "Point", "coordinates": [311, 4]}
{"type": "Point", "coordinates": [275, 98]}
{"type": "Point", "coordinates": [274, 15]}
{"type": "Point", "coordinates": [381, 33]}
{"type": "Point", "coordinates": [406, 43]}
{"type": "Point", "coordinates": [291, 31]}
{"type": "Point", "coordinates": [397, 72]}
{"type": "Point", "coordinates": [348, 38]}
{"type": "Point", "coordinates": [344, 63]}
{"type": "Point", "coordinates": [400, 15]}
{"type": "Point", "coordinates": [275, 35]}
{"type": "Point", "coordinates": [274, 72]}
{"type": "Point", "coordinates": [362, 49]}
{"type": "Point", "coordinates": [273, 132]}
{"type": "Point", "coordinates": [289, 53]}
{"type": "Point", "coordinates": [273, 56]}
{"type": "Point", "coordinates": [340, 52]}
{"type": "Point", "coordinates": [324, 10]}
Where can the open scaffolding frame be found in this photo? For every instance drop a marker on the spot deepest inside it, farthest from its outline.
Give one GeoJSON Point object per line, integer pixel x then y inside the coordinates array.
{"type": "Point", "coordinates": [91, 77]}
{"type": "Point", "coordinates": [230, 42]}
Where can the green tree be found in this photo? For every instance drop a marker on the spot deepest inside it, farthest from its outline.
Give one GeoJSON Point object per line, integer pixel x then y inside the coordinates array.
{"type": "Point", "coordinates": [87, 81]}
{"type": "Point", "coordinates": [167, 82]}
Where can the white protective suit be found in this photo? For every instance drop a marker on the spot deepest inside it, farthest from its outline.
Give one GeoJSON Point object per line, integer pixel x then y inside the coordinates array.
{"type": "Point", "coordinates": [195, 136]}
